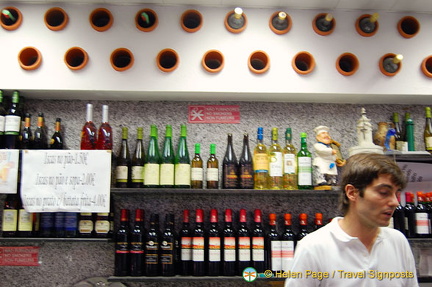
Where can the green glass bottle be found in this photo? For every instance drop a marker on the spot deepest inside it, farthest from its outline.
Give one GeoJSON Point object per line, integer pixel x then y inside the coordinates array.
{"type": "Point", "coordinates": [137, 177]}
{"type": "Point", "coordinates": [304, 164]}
{"type": "Point", "coordinates": [197, 171]}
{"type": "Point", "coordinates": [212, 172]}
{"type": "Point", "coordinates": [289, 163]}
{"type": "Point", "coordinates": [152, 161]}
{"type": "Point", "coordinates": [427, 133]}
{"type": "Point", "coordinates": [182, 172]}
{"type": "Point", "coordinates": [167, 164]}
{"type": "Point", "coordinates": [2, 120]}
{"type": "Point", "coordinates": [13, 123]}
{"type": "Point", "coordinates": [260, 162]}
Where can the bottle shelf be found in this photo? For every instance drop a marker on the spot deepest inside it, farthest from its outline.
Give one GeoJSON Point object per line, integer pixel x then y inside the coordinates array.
{"type": "Point", "coordinates": [185, 278]}
{"type": "Point", "coordinates": [51, 239]}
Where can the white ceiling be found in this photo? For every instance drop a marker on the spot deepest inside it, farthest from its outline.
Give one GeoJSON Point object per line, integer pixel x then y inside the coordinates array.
{"type": "Point", "coordinates": [419, 6]}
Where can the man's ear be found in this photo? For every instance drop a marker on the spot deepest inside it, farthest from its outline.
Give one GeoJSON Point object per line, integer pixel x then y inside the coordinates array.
{"type": "Point", "coordinates": [351, 192]}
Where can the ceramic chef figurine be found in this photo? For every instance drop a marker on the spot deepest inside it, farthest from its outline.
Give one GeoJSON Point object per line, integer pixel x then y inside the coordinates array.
{"type": "Point", "coordinates": [324, 163]}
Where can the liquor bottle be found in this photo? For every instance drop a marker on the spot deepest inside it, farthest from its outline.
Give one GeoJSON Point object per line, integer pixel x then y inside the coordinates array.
{"type": "Point", "coordinates": [56, 141]}
{"type": "Point", "coordinates": [137, 234]}
{"type": "Point", "coordinates": [168, 247]}
{"type": "Point", "coordinates": [260, 162]}
{"type": "Point", "coordinates": [289, 163]}
{"type": "Point", "coordinates": [13, 123]}
{"type": "Point", "coordinates": [102, 224]}
{"type": "Point", "coordinates": [368, 24]}
{"type": "Point", "coordinates": [40, 137]}
{"type": "Point", "coordinates": [2, 121]}
{"type": "Point", "coordinates": [401, 144]}
{"type": "Point", "coordinates": [89, 130]}
{"type": "Point", "coordinates": [182, 169]}
{"type": "Point", "coordinates": [10, 216]}
{"type": "Point", "coordinates": [229, 246]}
{"type": "Point", "coordinates": [152, 161]}
{"type": "Point", "coordinates": [137, 162]}
{"type": "Point", "coordinates": [392, 64]}
{"type": "Point", "coordinates": [274, 246]}
{"type": "Point", "coordinates": [212, 172]}
{"type": "Point", "coordinates": [197, 171]}
{"type": "Point", "coordinates": [304, 165]}
{"type": "Point", "coordinates": [243, 243]}
{"type": "Point", "coordinates": [105, 134]}
{"type": "Point", "coordinates": [71, 224]}
{"type": "Point", "coordinates": [245, 166]}
{"type": "Point", "coordinates": [422, 221]}
{"type": "Point", "coordinates": [185, 246]}
{"type": "Point", "coordinates": [427, 134]}
{"type": "Point", "coordinates": [258, 253]}
{"type": "Point", "coordinates": [275, 162]}
{"type": "Point", "coordinates": [409, 132]}
{"type": "Point", "coordinates": [26, 138]}
{"type": "Point", "coordinates": [167, 162]}
{"type": "Point", "coordinates": [214, 245]}
{"type": "Point", "coordinates": [229, 167]}
{"type": "Point", "coordinates": [122, 246]}
{"type": "Point", "coordinates": [303, 227]}
{"type": "Point", "coordinates": [123, 162]}
{"type": "Point", "coordinates": [324, 23]}
{"type": "Point", "coordinates": [198, 245]}
{"type": "Point", "coordinates": [398, 219]}
{"type": "Point", "coordinates": [287, 243]}
{"type": "Point", "coordinates": [59, 224]}
{"type": "Point", "coordinates": [151, 251]}
{"type": "Point", "coordinates": [46, 227]}
{"type": "Point", "coordinates": [318, 221]}
{"type": "Point", "coordinates": [409, 211]}
{"type": "Point", "coordinates": [85, 225]}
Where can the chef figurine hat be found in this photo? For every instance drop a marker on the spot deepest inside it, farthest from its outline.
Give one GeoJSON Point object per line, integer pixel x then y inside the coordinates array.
{"type": "Point", "coordinates": [320, 129]}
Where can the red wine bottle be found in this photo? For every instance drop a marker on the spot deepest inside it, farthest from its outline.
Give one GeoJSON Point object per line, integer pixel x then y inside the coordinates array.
{"type": "Point", "coordinates": [287, 243]}
{"type": "Point", "coordinates": [422, 221]}
{"type": "Point", "coordinates": [230, 167]}
{"type": "Point", "coordinates": [303, 227]}
{"type": "Point", "coordinates": [105, 135]}
{"type": "Point", "coordinates": [274, 246]}
{"type": "Point", "coordinates": [89, 130]}
{"type": "Point", "coordinates": [198, 245]}
{"type": "Point", "coordinates": [152, 242]}
{"type": "Point", "coordinates": [258, 253]}
{"type": "Point", "coordinates": [409, 211]}
{"type": "Point", "coordinates": [214, 245]}
{"type": "Point", "coordinates": [168, 247]}
{"type": "Point", "coordinates": [122, 250]}
{"type": "Point", "coordinates": [137, 244]}
{"type": "Point", "coordinates": [229, 246]}
{"type": "Point", "coordinates": [185, 245]}
{"type": "Point", "coordinates": [399, 217]}
{"type": "Point", "coordinates": [243, 243]}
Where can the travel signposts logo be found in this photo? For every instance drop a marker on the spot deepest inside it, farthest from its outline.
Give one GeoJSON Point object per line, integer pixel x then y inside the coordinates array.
{"type": "Point", "coordinates": [250, 274]}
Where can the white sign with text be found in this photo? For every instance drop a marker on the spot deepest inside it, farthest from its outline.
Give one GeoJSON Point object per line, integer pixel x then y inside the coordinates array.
{"type": "Point", "coordinates": [66, 180]}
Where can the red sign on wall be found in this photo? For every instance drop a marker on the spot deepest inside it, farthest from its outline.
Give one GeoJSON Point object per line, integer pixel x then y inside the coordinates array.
{"type": "Point", "coordinates": [214, 114]}
{"type": "Point", "coordinates": [19, 256]}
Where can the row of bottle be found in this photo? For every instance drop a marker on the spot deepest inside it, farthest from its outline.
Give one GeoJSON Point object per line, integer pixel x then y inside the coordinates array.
{"type": "Point", "coordinates": [199, 251]}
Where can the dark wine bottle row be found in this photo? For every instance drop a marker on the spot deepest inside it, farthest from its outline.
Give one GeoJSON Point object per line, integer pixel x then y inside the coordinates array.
{"type": "Point", "coordinates": [206, 248]}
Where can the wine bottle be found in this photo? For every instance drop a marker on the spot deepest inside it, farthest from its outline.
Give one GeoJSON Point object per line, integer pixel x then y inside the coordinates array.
{"type": "Point", "coordinates": [392, 64]}
{"type": "Point", "coordinates": [13, 123]}
{"type": "Point", "coordinates": [186, 246]}
{"type": "Point", "coordinates": [280, 22]}
{"type": "Point", "coordinates": [304, 165]}
{"type": "Point", "coordinates": [46, 228]}
{"type": "Point", "coordinates": [409, 211]}
{"type": "Point", "coordinates": [243, 243]}
{"type": "Point", "coordinates": [409, 129]}
{"type": "Point", "coordinates": [368, 24]}
{"type": "Point", "coordinates": [56, 141]}
{"type": "Point", "coordinates": [152, 162]}
{"type": "Point", "coordinates": [214, 245]}
{"type": "Point", "coordinates": [167, 162]}
{"type": "Point", "coordinates": [274, 246]}
{"type": "Point", "coordinates": [289, 163]}
{"type": "Point", "coordinates": [59, 224]}
{"type": "Point", "coordinates": [401, 144]}
{"type": "Point", "coordinates": [229, 167]}
{"type": "Point", "coordinates": [2, 121]}
{"type": "Point", "coordinates": [287, 243]}
{"type": "Point", "coordinates": [324, 23]}
{"type": "Point", "coordinates": [10, 216]}
{"type": "Point", "coordinates": [275, 162]}
{"type": "Point", "coordinates": [182, 169]}
{"type": "Point", "coordinates": [245, 166]}
{"type": "Point", "coordinates": [318, 221]}
{"type": "Point", "coordinates": [168, 247]}
{"type": "Point", "coordinates": [212, 176]}
{"type": "Point", "coordinates": [152, 242]}
{"type": "Point", "coordinates": [229, 244]}
{"type": "Point", "coordinates": [197, 172]}
{"type": "Point", "coordinates": [236, 19]}
{"type": "Point", "coordinates": [89, 130]}
{"type": "Point", "coordinates": [198, 245]}
{"type": "Point", "coordinates": [40, 137]}
{"type": "Point", "coordinates": [260, 162]}
{"type": "Point", "coordinates": [26, 138]}
{"type": "Point", "coordinates": [123, 162]}
{"type": "Point", "coordinates": [137, 162]}
{"type": "Point", "coordinates": [71, 224]}
{"type": "Point", "coordinates": [258, 253]}
{"type": "Point", "coordinates": [422, 221]}
{"type": "Point", "coordinates": [427, 134]}
{"type": "Point", "coordinates": [102, 224]}
{"type": "Point", "coordinates": [122, 246]}
{"type": "Point", "coordinates": [36, 224]}
{"type": "Point", "coordinates": [398, 220]}
{"type": "Point", "coordinates": [85, 224]}
{"type": "Point", "coordinates": [137, 234]}
{"type": "Point", "coordinates": [105, 135]}
{"type": "Point", "coordinates": [303, 225]}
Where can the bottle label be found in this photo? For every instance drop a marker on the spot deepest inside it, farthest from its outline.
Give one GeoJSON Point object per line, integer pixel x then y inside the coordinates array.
{"type": "Point", "coordinates": [12, 125]}
{"type": "Point", "coordinates": [229, 249]}
{"type": "Point", "coordinates": [244, 249]}
{"type": "Point", "coordinates": [151, 252]}
{"type": "Point", "coordinates": [102, 226]}
{"type": "Point", "coordinates": [2, 124]}
{"type": "Point", "coordinates": [166, 174]}
{"type": "Point", "coordinates": [136, 247]}
{"type": "Point", "coordinates": [25, 220]}
{"type": "Point", "coordinates": [182, 174]}
{"type": "Point", "coordinates": [10, 220]}
{"type": "Point", "coordinates": [151, 174]}
{"type": "Point", "coordinates": [214, 249]}
{"type": "Point", "coordinates": [422, 223]}
{"type": "Point", "coordinates": [197, 173]}
{"type": "Point", "coordinates": [289, 163]}
{"type": "Point", "coordinates": [186, 248]}
{"type": "Point", "coordinates": [257, 248]}
{"type": "Point", "coordinates": [85, 226]}
{"type": "Point", "coordinates": [287, 254]}
{"type": "Point", "coordinates": [260, 162]}
{"type": "Point", "coordinates": [166, 254]}
{"type": "Point", "coordinates": [246, 176]}
{"type": "Point", "coordinates": [71, 221]}
{"type": "Point", "coordinates": [275, 164]}
{"type": "Point", "coordinates": [121, 173]}
{"type": "Point", "coordinates": [230, 176]}
{"type": "Point", "coordinates": [304, 171]}
{"type": "Point", "coordinates": [137, 173]}
{"type": "Point", "coordinates": [276, 255]}
{"type": "Point", "coordinates": [212, 174]}
{"type": "Point", "coordinates": [198, 249]}
{"type": "Point", "coordinates": [428, 143]}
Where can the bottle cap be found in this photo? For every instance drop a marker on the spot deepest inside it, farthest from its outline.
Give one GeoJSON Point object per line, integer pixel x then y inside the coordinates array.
{"type": "Point", "coordinates": [228, 215]}
{"type": "Point", "coordinates": [272, 219]}
{"type": "Point", "coordinates": [186, 215]}
{"type": "Point", "coordinates": [303, 218]}
{"type": "Point", "coordinates": [124, 215]}
{"type": "Point", "coordinates": [243, 215]}
{"type": "Point", "coordinates": [139, 214]}
{"type": "Point", "coordinates": [213, 216]}
{"type": "Point", "coordinates": [257, 215]}
{"type": "Point", "coordinates": [199, 214]}
{"type": "Point", "coordinates": [287, 218]}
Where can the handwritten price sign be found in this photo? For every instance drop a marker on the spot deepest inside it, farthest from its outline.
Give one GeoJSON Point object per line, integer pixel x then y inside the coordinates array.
{"type": "Point", "coordinates": [66, 180]}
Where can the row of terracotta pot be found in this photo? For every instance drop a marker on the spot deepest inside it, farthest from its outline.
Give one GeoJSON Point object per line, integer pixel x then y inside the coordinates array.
{"type": "Point", "coordinates": [213, 61]}
{"type": "Point", "coordinates": [191, 21]}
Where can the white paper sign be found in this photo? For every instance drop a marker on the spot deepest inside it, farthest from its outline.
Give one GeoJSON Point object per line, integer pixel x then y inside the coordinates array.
{"type": "Point", "coordinates": [66, 180]}
{"type": "Point", "coordinates": [9, 162]}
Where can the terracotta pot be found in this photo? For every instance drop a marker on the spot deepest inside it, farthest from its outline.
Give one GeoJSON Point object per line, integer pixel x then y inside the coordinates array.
{"type": "Point", "coordinates": [101, 19]}
{"type": "Point", "coordinates": [321, 32]}
{"type": "Point", "coordinates": [76, 58]}
{"type": "Point", "coordinates": [303, 63]}
{"type": "Point", "coordinates": [408, 27]}
{"type": "Point", "coordinates": [228, 26]}
{"type": "Point", "coordinates": [122, 59]}
{"type": "Point", "coordinates": [146, 22]}
{"type": "Point", "coordinates": [381, 65]}
{"type": "Point", "coordinates": [56, 19]}
{"type": "Point", "coordinates": [285, 27]}
{"type": "Point", "coordinates": [259, 62]}
{"type": "Point", "coordinates": [191, 21]}
{"type": "Point", "coordinates": [347, 64]}
{"type": "Point", "coordinates": [167, 60]}
{"type": "Point", "coordinates": [9, 24]}
{"type": "Point", "coordinates": [426, 66]}
{"type": "Point", "coordinates": [213, 61]}
{"type": "Point", "coordinates": [29, 58]}
{"type": "Point", "coordinates": [360, 31]}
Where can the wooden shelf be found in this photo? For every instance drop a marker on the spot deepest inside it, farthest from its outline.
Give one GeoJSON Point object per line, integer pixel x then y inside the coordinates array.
{"type": "Point", "coordinates": [50, 239]}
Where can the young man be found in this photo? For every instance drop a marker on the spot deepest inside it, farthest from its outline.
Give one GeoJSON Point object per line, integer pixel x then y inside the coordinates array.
{"type": "Point", "coordinates": [358, 249]}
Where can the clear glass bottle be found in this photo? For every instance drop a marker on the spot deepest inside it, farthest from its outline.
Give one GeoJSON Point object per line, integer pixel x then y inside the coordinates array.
{"type": "Point", "coordinates": [89, 130]}
{"type": "Point", "coordinates": [289, 163]}
{"type": "Point", "coordinates": [275, 162]}
{"type": "Point", "coordinates": [152, 160]}
{"type": "Point", "coordinates": [260, 162]}
{"type": "Point", "coordinates": [427, 134]}
{"type": "Point", "coordinates": [212, 172]}
{"type": "Point", "coordinates": [166, 174]}
{"type": "Point", "coordinates": [137, 163]}
{"type": "Point", "coordinates": [197, 171]}
{"type": "Point", "coordinates": [105, 135]}
{"type": "Point", "coordinates": [182, 169]}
